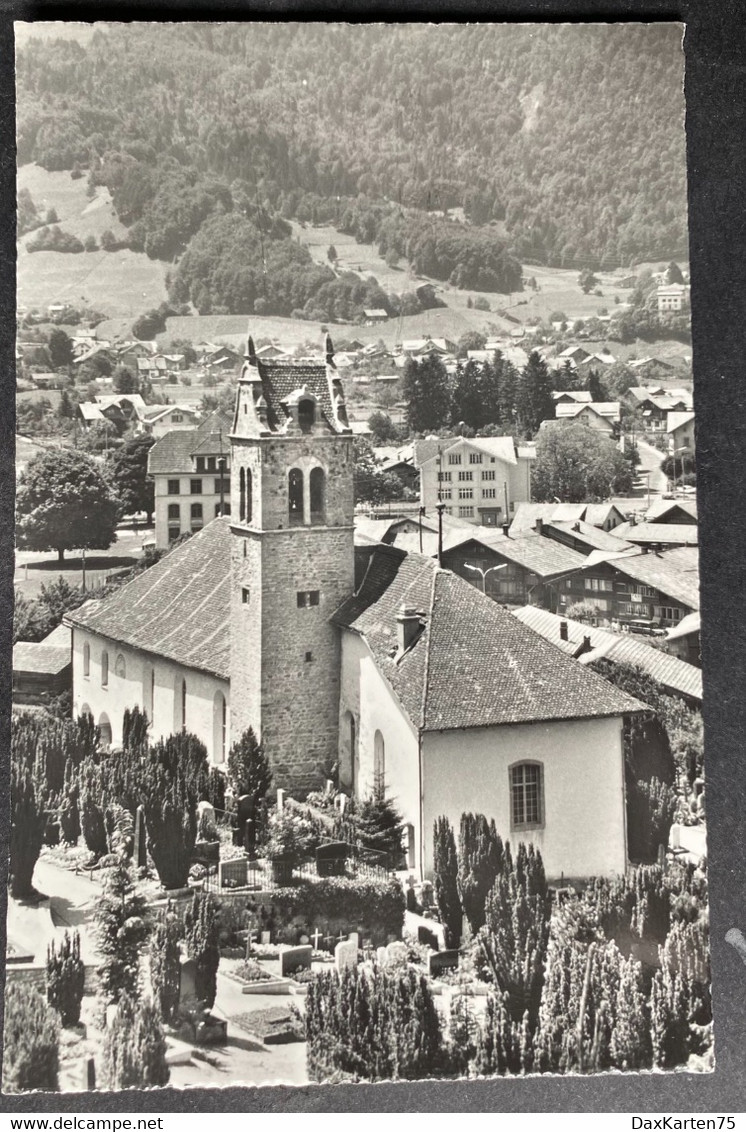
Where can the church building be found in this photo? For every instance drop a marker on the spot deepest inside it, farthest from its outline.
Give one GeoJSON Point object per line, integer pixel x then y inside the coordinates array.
{"type": "Point", "coordinates": [371, 658]}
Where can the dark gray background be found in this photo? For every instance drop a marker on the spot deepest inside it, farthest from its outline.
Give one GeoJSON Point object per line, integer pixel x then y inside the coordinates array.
{"type": "Point", "coordinates": [715, 51]}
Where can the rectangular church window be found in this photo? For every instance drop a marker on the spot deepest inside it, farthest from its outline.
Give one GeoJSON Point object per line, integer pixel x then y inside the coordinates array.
{"type": "Point", "coordinates": [245, 595]}
{"type": "Point", "coordinates": [307, 598]}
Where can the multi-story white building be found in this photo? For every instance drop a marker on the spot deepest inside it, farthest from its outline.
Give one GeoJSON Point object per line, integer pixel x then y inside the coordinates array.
{"type": "Point", "coordinates": [481, 480]}
{"type": "Point", "coordinates": [191, 471]}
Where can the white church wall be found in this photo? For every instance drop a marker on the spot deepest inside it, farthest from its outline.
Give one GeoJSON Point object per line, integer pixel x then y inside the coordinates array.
{"type": "Point", "coordinates": [366, 695]}
{"type": "Point", "coordinates": [584, 826]}
{"type": "Point", "coordinates": [153, 684]}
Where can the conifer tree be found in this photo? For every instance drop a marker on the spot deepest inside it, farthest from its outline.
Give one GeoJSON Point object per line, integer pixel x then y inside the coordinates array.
{"type": "Point", "coordinates": [203, 945]}
{"type": "Point", "coordinates": [480, 859]}
{"type": "Point", "coordinates": [134, 728]}
{"type": "Point", "coordinates": [380, 825]}
{"type": "Point", "coordinates": [92, 806]}
{"type": "Point", "coordinates": [426, 392]}
{"type": "Point", "coordinates": [534, 402]}
{"type": "Point", "coordinates": [249, 772]}
{"type": "Point", "coordinates": [445, 869]}
{"type": "Point", "coordinates": [66, 978]}
{"type": "Point", "coordinates": [27, 806]}
{"type": "Point", "coordinates": [502, 1044]}
{"type": "Point", "coordinates": [165, 967]}
{"type": "Point", "coordinates": [512, 944]}
{"type": "Point", "coordinates": [122, 928]}
{"type": "Point", "coordinates": [69, 809]}
{"type": "Point", "coordinates": [31, 1039]}
{"type": "Point", "coordinates": [135, 1047]}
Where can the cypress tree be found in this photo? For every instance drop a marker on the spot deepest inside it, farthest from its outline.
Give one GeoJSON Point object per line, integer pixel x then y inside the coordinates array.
{"type": "Point", "coordinates": [203, 945]}
{"type": "Point", "coordinates": [31, 1038]}
{"type": "Point", "coordinates": [174, 775]}
{"type": "Point", "coordinates": [135, 1047]}
{"type": "Point", "coordinates": [134, 728]}
{"type": "Point", "coordinates": [480, 857]}
{"type": "Point", "coordinates": [512, 944]}
{"type": "Point", "coordinates": [69, 809]}
{"type": "Point", "coordinates": [445, 869]}
{"type": "Point", "coordinates": [92, 806]}
{"type": "Point", "coordinates": [165, 966]}
{"type": "Point", "coordinates": [28, 795]}
{"type": "Point", "coordinates": [122, 928]}
{"type": "Point", "coordinates": [66, 978]}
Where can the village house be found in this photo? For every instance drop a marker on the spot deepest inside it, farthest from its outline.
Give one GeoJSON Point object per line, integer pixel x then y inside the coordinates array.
{"type": "Point", "coordinates": [374, 658]}
{"type": "Point", "coordinates": [157, 420]}
{"type": "Point", "coordinates": [482, 479]}
{"type": "Point", "coordinates": [374, 315]}
{"type": "Point", "coordinates": [190, 469]}
{"type": "Point", "coordinates": [572, 397]}
{"type": "Point", "coordinates": [601, 416]}
{"type": "Point", "coordinates": [655, 404]}
{"type": "Point", "coordinates": [642, 590]}
{"type": "Point", "coordinates": [122, 410]}
{"type": "Point", "coordinates": [605, 516]}
{"type": "Point", "coordinates": [680, 431]}
{"type": "Point", "coordinates": [672, 297]}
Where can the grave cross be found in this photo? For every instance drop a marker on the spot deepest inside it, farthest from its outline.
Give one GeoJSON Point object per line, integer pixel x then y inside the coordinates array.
{"type": "Point", "coordinates": [316, 937]}
{"type": "Point", "coordinates": [341, 937]}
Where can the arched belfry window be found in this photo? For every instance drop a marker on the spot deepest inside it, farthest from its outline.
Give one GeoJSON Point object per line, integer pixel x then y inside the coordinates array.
{"type": "Point", "coordinates": [306, 414]}
{"type": "Point", "coordinates": [295, 496]}
{"type": "Point", "coordinates": [249, 507]}
{"type": "Point", "coordinates": [317, 484]}
{"type": "Point", "coordinates": [242, 495]}
{"type": "Point", "coordinates": [379, 760]}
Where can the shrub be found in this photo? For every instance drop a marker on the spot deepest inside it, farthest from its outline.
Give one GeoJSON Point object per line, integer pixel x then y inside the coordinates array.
{"type": "Point", "coordinates": [66, 978]}
{"type": "Point", "coordinates": [290, 835]}
{"type": "Point", "coordinates": [122, 929]}
{"type": "Point", "coordinates": [680, 1001]}
{"type": "Point", "coordinates": [373, 1024]}
{"type": "Point", "coordinates": [374, 907]}
{"type": "Point", "coordinates": [202, 937]}
{"type": "Point", "coordinates": [502, 1044]}
{"type": "Point", "coordinates": [135, 1047]}
{"type": "Point", "coordinates": [31, 1037]}
{"type": "Point", "coordinates": [380, 825]}
{"type": "Point", "coordinates": [249, 772]}
{"type": "Point", "coordinates": [93, 807]}
{"type": "Point", "coordinates": [445, 868]}
{"type": "Point", "coordinates": [165, 966]}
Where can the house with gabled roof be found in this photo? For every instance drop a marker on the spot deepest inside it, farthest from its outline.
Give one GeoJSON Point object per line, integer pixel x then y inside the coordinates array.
{"type": "Point", "coordinates": [601, 416]}
{"type": "Point", "coordinates": [481, 479]}
{"type": "Point", "coordinates": [190, 469]}
{"type": "Point", "coordinates": [373, 658]}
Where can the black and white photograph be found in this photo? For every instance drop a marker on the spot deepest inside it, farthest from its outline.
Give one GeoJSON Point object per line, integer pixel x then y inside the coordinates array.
{"type": "Point", "coordinates": [357, 725]}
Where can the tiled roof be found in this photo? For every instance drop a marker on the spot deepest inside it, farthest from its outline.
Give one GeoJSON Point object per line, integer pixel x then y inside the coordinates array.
{"type": "Point", "coordinates": [677, 534]}
{"type": "Point", "coordinates": [606, 409]}
{"type": "Point", "coordinates": [663, 507]}
{"type": "Point", "coordinates": [280, 378]}
{"type": "Point", "coordinates": [675, 573]}
{"type": "Point", "coordinates": [597, 513]}
{"type": "Point", "coordinates": [178, 609]}
{"type": "Point", "coordinates": [501, 447]}
{"type": "Point", "coordinates": [473, 665]}
{"type": "Point", "coordinates": [593, 537]}
{"type": "Point", "coordinates": [34, 656]}
{"type": "Point", "coordinates": [675, 675]}
{"type": "Point", "coordinates": [689, 624]}
{"type": "Point", "coordinates": [678, 420]}
{"type": "Point", "coordinates": [173, 452]}
{"type": "Point", "coordinates": [579, 396]}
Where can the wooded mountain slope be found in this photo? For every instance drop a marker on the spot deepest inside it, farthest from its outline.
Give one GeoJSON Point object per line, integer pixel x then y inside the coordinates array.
{"type": "Point", "coordinates": [571, 136]}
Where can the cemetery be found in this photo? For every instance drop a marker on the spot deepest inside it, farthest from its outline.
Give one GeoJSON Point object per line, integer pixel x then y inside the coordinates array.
{"type": "Point", "coordinates": [251, 936]}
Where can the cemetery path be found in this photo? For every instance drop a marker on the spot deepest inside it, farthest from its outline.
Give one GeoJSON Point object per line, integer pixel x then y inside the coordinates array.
{"type": "Point", "coordinates": [72, 900]}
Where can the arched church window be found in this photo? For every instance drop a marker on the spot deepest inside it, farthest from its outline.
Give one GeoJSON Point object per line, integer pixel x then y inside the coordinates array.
{"type": "Point", "coordinates": [249, 498]}
{"type": "Point", "coordinates": [86, 659]}
{"type": "Point", "coordinates": [120, 667]}
{"type": "Point", "coordinates": [219, 728]}
{"type": "Point", "coordinates": [379, 760]}
{"type": "Point", "coordinates": [317, 483]}
{"type": "Point", "coordinates": [242, 495]}
{"type": "Point", "coordinates": [104, 669]}
{"type": "Point", "coordinates": [295, 497]}
{"type": "Point", "coordinates": [306, 414]}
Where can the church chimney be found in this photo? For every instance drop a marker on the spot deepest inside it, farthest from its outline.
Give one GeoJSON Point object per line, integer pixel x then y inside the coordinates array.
{"type": "Point", "coordinates": [540, 526]}
{"type": "Point", "coordinates": [408, 627]}
{"type": "Point", "coordinates": [328, 350]}
{"type": "Point", "coordinates": [563, 631]}
{"type": "Point", "coordinates": [250, 354]}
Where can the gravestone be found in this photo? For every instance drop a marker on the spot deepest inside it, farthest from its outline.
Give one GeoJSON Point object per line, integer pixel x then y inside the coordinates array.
{"type": "Point", "coordinates": [90, 1074]}
{"type": "Point", "coordinates": [265, 937]}
{"type": "Point", "coordinates": [244, 812]}
{"type": "Point", "coordinates": [340, 802]}
{"type": "Point", "coordinates": [292, 958]}
{"type": "Point", "coordinates": [329, 788]}
{"type": "Point", "coordinates": [396, 952]}
{"type": "Point", "coordinates": [331, 859]}
{"type": "Point", "coordinates": [280, 799]}
{"type": "Point", "coordinates": [233, 874]}
{"type": "Point", "coordinates": [429, 938]}
{"type": "Point", "coordinates": [439, 961]}
{"type": "Point", "coordinates": [140, 849]}
{"type": "Point", "coordinates": [426, 894]}
{"type": "Point", "coordinates": [187, 980]}
{"type": "Point", "coordinates": [207, 810]}
{"type": "Point", "coordinates": [382, 956]}
{"type": "Point", "coordinates": [111, 1013]}
{"type": "Point", "coordinates": [345, 953]}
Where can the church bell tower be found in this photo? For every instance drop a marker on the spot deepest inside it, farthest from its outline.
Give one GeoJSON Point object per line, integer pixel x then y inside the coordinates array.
{"type": "Point", "coordinates": [292, 559]}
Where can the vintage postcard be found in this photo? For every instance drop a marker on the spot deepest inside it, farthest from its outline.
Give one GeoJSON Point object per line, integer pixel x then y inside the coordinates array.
{"type": "Point", "coordinates": [357, 690]}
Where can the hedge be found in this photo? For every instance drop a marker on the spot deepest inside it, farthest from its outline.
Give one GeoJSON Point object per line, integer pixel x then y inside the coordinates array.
{"type": "Point", "coordinates": [375, 908]}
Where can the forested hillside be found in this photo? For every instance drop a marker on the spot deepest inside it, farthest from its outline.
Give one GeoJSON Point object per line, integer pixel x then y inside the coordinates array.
{"type": "Point", "coordinates": [561, 144]}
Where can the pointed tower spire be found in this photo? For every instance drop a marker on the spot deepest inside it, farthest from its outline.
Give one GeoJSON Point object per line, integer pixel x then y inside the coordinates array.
{"type": "Point", "coordinates": [329, 350]}
{"type": "Point", "coordinates": [250, 354]}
